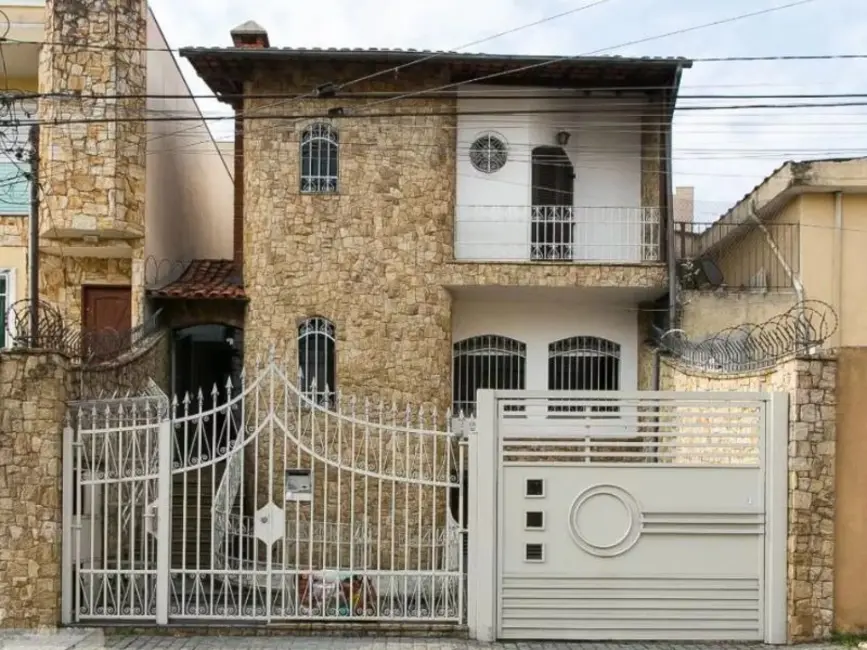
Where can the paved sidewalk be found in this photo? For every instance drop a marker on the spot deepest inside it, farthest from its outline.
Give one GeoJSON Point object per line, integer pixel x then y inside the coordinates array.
{"type": "Point", "coordinates": [337, 643]}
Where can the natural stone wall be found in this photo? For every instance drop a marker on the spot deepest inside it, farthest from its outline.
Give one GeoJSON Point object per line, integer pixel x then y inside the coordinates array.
{"type": "Point", "coordinates": [368, 258]}
{"type": "Point", "coordinates": [92, 165]}
{"type": "Point", "coordinates": [34, 388]}
{"type": "Point", "coordinates": [651, 153]}
{"type": "Point", "coordinates": [811, 385]}
{"type": "Point", "coordinates": [61, 281]}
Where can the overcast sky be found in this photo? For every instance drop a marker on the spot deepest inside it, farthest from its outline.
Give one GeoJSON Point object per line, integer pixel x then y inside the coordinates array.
{"type": "Point", "coordinates": [722, 153]}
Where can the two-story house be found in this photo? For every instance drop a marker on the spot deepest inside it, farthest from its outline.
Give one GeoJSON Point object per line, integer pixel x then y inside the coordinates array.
{"type": "Point", "coordinates": [132, 184]}
{"type": "Point", "coordinates": [421, 225]}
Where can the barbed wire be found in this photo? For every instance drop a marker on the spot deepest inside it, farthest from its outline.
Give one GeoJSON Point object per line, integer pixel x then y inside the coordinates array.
{"type": "Point", "coordinates": [801, 329]}
{"type": "Point", "coordinates": [57, 335]}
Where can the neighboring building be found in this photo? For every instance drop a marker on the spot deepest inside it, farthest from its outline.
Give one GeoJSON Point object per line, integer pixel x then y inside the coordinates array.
{"type": "Point", "coordinates": [684, 204]}
{"type": "Point", "coordinates": [499, 235]}
{"type": "Point", "coordinates": [796, 236]}
{"type": "Point", "coordinates": [120, 199]}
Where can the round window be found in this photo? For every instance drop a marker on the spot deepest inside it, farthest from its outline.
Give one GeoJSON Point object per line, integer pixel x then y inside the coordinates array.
{"type": "Point", "coordinates": [488, 153]}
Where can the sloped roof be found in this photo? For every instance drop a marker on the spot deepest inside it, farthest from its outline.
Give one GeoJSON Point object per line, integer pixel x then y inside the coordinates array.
{"type": "Point", "coordinates": [205, 280]}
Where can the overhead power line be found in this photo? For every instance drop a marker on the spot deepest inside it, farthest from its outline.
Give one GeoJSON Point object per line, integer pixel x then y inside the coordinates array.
{"type": "Point", "coordinates": [573, 94]}
{"type": "Point", "coordinates": [355, 116]}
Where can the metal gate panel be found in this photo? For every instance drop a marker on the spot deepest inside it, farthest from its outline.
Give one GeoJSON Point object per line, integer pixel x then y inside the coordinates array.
{"type": "Point", "coordinates": [631, 517]}
{"type": "Point", "coordinates": [265, 503]}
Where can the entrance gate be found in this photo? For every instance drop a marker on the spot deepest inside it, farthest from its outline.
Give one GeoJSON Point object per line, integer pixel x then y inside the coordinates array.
{"type": "Point", "coordinates": [274, 505]}
{"type": "Point", "coordinates": [629, 516]}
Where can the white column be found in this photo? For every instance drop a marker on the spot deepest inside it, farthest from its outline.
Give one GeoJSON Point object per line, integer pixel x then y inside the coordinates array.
{"type": "Point", "coordinates": [776, 470]}
{"type": "Point", "coordinates": [164, 521]}
{"type": "Point", "coordinates": [483, 521]}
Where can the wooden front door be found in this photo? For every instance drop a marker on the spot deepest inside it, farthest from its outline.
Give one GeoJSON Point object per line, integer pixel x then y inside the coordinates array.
{"type": "Point", "coordinates": [106, 319]}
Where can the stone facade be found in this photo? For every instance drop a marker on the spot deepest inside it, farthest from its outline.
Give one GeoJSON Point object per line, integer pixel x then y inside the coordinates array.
{"type": "Point", "coordinates": [811, 385]}
{"type": "Point", "coordinates": [376, 258]}
{"type": "Point", "coordinates": [34, 388]}
{"type": "Point", "coordinates": [92, 166]}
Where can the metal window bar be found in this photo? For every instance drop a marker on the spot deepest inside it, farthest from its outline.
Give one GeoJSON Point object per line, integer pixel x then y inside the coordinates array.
{"type": "Point", "coordinates": [486, 361]}
{"type": "Point", "coordinates": [317, 365]}
{"type": "Point", "coordinates": [583, 363]}
{"type": "Point", "coordinates": [319, 159]}
{"type": "Point", "coordinates": [552, 232]}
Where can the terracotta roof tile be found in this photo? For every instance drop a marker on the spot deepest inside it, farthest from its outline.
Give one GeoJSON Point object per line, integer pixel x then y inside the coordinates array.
{"type": "Point", "coordinates": [205, 279]}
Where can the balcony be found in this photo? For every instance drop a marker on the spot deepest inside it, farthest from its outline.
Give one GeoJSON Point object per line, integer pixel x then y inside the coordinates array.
{"type": "Point", "coordinates": [738, 256]}
{"type": "Point", "coordinates": [558, 233]}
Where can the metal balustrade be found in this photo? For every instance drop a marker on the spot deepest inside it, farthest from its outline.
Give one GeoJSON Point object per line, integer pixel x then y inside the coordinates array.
{"type": "Point", "coordinates": [564, 233]}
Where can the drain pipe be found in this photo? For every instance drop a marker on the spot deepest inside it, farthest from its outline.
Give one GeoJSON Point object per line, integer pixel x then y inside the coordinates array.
{"type": "Point", "coordinates": [794, 277]}
{"type": "Point", "coordinates": [670, 239]}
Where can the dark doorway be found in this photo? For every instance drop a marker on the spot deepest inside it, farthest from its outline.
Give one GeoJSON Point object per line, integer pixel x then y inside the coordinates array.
{"type": "Point", "coordinates": [553, 195]}
{"type": "Point", "coordinates": [106, 319]}
{"type": "Point", "coordinates": [204, 358]}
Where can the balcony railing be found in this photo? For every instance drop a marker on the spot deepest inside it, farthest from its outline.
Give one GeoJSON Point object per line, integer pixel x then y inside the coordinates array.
{"type": "Point", "coordinates": [737, 255]}
{"type": "Point", "coordinates": [545, 233]}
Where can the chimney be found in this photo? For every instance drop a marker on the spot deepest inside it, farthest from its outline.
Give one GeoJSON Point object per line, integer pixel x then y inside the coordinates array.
{"type": "Point", "coordinates": [684, 204]}
{"type": "Point", "coordinates": [250, 35]}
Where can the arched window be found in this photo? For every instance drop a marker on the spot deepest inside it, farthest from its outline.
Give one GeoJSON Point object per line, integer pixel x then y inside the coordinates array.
{"type": "Point", "coordinates": [316, 359]}
{"type": "Point", "coordinates": [583, 363]}
{"type": "Point", "coordinates": [319, 159]}
{"type": "Point", "coordinates": [486, 361]}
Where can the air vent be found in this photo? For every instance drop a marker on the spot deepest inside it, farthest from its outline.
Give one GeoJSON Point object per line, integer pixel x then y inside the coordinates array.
{"type": "Point", "coordinates": [534, 553]}
{"type": "Point", "coordinates": [535, 520]}
{"type": "Point", "coordinates": [535, 487]}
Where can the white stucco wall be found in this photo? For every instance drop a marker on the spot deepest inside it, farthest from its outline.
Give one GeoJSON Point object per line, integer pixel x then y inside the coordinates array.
{"type": "Point", "coordinates": [492, 210]}
{"type": "Point", "coordinates": [538, 323]}
{"type": "Point", "coordinates": [190, 194]}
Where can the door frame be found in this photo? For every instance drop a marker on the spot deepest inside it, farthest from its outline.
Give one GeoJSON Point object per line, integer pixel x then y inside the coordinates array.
{"type": "Point", "coordinates": [104, 285]}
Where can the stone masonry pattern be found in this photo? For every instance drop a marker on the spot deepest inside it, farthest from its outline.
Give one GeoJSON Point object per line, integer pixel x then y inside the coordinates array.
{"type": "Point", "coordinates": [811, 385]}
{"type": "Point", "coordinates": [92, 169]}
{"type": "Point", "coordinates": [34, 388]}
{"type": "Point", "coordinates": [376, 258]}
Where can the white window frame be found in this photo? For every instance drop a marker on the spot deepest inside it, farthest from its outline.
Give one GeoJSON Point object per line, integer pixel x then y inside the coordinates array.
{"type": "Point", "coordinates": [11, 298]}
{"type": "Point", "coordinates": [325, 180]}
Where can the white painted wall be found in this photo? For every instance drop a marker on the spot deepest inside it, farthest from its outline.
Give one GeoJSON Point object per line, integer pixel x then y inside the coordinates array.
{"type": "Point", "coordinates": [605, 149]}
{"type": "Point", "coordinates": [539, 323]}
{"type": "Point", "coordinates": [190, 196]}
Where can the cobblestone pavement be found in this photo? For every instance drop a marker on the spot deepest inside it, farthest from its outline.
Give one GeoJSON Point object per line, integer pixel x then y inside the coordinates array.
{"type": "Point", "coordinates": [332, 643]}
{"type": "Point", "coordinates": [82, 640]}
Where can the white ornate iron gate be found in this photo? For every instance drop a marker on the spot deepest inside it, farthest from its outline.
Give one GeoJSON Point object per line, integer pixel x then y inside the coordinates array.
{"type": "Point", "coordinates": [260, 504]}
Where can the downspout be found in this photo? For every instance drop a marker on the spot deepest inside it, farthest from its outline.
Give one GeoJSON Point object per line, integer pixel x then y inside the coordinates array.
{"type": "Point", "coordinates": [669, 207]}
{"type": "Point", "coordinates": [794, 277]}
{"type": "Point", "coordinates": [796, 280]}
{"type": "Point", "coordinates": [838, 260]}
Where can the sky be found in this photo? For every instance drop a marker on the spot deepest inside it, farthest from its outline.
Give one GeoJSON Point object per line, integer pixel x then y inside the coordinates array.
{"type": "Point", "coordinates": [722, 153]}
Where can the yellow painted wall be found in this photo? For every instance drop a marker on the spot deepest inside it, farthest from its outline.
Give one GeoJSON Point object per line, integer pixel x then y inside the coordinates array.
{"type": "Point", "coordinates": [15, 257]}
{"type": "Point", "coordinates": [833, 264]}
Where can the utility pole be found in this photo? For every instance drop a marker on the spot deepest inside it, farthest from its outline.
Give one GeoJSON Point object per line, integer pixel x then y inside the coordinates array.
{"type": "Point", "coordinates": [33, 243]}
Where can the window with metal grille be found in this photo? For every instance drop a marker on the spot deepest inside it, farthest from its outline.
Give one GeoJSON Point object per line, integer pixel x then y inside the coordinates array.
{"type": "Point", "coordinates": [583, 363]}
{"type": "Point", "coordinates": [316, 359]}
{"type": "Point", "coordinates": [486, 361]}
{"type": "Point", "coordinates": [319, 159]}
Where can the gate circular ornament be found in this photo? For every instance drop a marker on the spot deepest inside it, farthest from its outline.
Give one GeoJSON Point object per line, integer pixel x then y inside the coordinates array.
{"type": "Point", "coordinates": [605, 520]}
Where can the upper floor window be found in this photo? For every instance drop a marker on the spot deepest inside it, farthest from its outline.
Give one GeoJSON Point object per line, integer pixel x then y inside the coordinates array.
{"type": "Point", "coordinates": [319, 159]}
{"type": "Point", "coordinates": [488, 153]}
{"type": "Point", "coordinates": [317, 363]}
